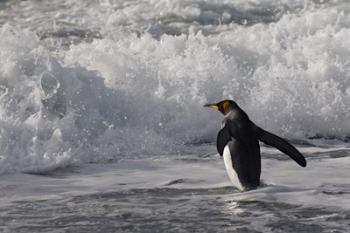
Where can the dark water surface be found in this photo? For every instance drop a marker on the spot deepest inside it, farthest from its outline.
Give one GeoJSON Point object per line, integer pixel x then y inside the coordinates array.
{"type": "Point", "coordinates": [168, 210]}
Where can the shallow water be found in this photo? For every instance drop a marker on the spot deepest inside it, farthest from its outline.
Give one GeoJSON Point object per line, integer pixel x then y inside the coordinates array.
{"type": "Point", "coordinates": [180, 194]}
{"type": "Point", "coordinates": [170, 210]}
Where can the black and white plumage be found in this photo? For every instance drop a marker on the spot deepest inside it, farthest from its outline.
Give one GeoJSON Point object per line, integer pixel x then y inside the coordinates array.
{"type": "Point", "coordinates": [238, 143]}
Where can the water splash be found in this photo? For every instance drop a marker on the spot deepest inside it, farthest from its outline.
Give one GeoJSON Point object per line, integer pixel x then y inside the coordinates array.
{"type": "Point", "coordinates": [127, 94]}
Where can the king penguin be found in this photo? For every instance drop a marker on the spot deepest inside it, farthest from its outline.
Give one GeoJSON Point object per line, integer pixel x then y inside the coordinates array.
{"type": "Point", "coordinates": [238, 144]}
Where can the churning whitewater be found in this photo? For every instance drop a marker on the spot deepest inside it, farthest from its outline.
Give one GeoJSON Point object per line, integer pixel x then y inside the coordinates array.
{"type": "Point", "coordinates": [99, 81]}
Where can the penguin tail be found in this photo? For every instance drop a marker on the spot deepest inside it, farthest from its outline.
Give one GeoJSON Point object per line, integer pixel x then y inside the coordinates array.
{"type": "Point", "coordinates": [281, 144]}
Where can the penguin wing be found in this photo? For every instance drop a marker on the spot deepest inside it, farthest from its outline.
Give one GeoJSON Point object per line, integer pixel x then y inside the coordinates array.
{"type": "Point", "coordinates": [222, 139]}
{"type": "Point", "coordinates": [281, 144]}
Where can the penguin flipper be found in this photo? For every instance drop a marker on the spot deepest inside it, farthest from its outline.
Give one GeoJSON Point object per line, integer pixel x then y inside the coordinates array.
{"type": "Point", "coordinates": [281, 144]}
{"type": "Point", "coordinates": [222, 139]}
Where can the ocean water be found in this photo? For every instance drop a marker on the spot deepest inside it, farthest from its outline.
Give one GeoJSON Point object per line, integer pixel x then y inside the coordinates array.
{"type": "Point", "coordinates": [102, 127]}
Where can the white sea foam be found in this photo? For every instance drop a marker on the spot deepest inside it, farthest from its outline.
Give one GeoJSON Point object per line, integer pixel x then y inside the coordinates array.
{"type": "Point", "coordinates": [134, 88]}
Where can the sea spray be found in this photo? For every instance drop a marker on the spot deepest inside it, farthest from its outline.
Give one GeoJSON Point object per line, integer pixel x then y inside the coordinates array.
{"type": "Point", "coordinates": [124, 87]}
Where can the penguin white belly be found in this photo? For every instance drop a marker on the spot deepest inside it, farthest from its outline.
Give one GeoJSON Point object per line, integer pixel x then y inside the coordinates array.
{"type": "Point", "coordinates": [229, 169]}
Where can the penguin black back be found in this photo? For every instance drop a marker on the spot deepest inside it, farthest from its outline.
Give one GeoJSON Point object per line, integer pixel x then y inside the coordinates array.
{"type": "Point", "coordinates": [238, 143]}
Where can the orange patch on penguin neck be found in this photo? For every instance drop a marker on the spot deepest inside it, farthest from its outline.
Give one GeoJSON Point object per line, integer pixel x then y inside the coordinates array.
{"type": "Point", "coordinates": [226, 107]}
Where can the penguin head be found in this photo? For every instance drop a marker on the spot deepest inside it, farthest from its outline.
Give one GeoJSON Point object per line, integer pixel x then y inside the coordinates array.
{"type": "Point", "coordinates": [224, 106]}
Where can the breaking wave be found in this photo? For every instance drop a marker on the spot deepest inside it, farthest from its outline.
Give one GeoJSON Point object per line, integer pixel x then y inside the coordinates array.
{"type": "Point", "coordinates": [121, 93]}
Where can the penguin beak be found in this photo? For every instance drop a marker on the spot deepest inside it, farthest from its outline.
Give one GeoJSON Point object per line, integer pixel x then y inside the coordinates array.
{"type": "Point", "coordinates": [212, 106]}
